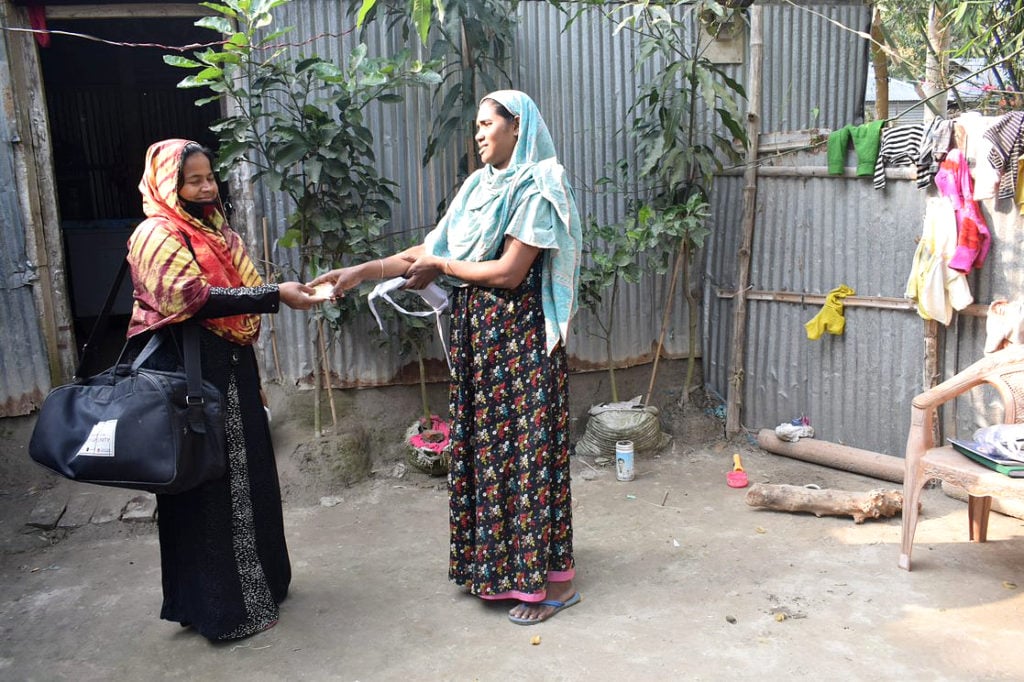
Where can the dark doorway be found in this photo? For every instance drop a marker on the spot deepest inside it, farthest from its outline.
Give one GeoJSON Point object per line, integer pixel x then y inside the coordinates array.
{"type": "Point", "coordinates": [107, 104]}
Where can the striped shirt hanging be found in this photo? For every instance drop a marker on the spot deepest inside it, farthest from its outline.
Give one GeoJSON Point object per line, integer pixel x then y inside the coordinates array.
{"type": "Point", "coordinates": [934, 145]}
{"type": "Point", "coordinates": [901, 146]}
{"type": "Point", "coordinates": [1007, 147]}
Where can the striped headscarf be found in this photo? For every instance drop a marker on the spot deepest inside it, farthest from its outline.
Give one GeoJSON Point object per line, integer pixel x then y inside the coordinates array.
{"type": "Point", "coordinates": [170, 284]}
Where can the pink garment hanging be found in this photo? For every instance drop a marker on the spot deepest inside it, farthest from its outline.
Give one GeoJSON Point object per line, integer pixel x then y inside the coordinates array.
{"type": "Point", "coordinates": [973, 237]}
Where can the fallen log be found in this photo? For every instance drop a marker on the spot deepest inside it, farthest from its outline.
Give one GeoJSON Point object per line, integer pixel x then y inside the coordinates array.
{"type": "Point", "coordinates": [864, 462]}
{"type": "Point", "coordinates": [874, 504]}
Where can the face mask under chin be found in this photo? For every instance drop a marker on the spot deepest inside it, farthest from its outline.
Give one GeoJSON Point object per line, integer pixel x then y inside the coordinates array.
{"type": "Point", "coordinates": [197, 209]}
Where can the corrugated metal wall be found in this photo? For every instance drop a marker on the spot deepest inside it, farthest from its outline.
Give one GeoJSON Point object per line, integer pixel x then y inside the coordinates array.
{"type": "Point", "coordinates": [583, 79]}
{"type": "Point", "coordinates": [24, 370]}
{"type": "Point", "coordinates": [813, 234]}
{"type": "Point", "coordinates": [400, 132]}
{"type": "Point", "coordinates": [815, 71]}
{"type": "Point", "coordinates": [577, 78]}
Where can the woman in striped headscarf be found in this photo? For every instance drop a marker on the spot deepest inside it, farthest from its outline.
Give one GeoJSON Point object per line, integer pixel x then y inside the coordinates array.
{"type": "Point", "coordinates": [223, 555]}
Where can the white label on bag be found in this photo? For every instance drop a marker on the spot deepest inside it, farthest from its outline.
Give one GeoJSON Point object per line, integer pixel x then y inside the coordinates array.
{"type": "Point", "coordinates": [100, 442]}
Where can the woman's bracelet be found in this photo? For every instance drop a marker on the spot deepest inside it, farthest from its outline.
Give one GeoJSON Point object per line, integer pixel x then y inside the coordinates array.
{"type": "Point", "coordinates": [448, 267]}
{"type": "Point", "coordinates": [381, 260]}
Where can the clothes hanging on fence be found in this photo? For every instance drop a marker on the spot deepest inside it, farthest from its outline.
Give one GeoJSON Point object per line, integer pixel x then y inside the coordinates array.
{"type": "Point", "coordinates": [830, 318]}
{"type": "Point", "coordinates": [992, 145]}
{"type": "Point", "coordinates": [973, 238]}
{"type": "Point", "coordinates": [1007, 138]}
{"type": "Point", "coordinates": [935, 143]}
{"type": "Point", "coordinates": [1004, 324]}
{"type": "Point", "coordinates": [936, 289]}
{"type": "Point", "coordinates": [866, 141]}
{"type": "Point", "coordinates": [901, 146]}
{"type": "Point", "coordinates": [971, 140]}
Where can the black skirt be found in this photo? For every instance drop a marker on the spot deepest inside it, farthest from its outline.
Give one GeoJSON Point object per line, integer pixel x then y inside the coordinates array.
{"type": "Point", "coordinates": [223, 555]}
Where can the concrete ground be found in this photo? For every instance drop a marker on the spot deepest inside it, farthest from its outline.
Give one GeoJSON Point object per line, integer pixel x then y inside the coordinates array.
{"type": "Point", "coordinates": [680, 580]}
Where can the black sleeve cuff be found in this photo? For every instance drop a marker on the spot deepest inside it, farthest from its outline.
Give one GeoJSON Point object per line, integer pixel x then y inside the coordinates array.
{"type": "Point", "coordinates": [225, 301]}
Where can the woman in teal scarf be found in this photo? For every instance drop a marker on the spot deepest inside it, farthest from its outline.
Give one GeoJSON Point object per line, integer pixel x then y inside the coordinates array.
{"type": "Point", "coordinates": [511, 243]}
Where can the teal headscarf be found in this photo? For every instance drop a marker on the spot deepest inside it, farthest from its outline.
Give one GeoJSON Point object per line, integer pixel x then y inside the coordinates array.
{"type": "Point", "coordinates": [485, 210]}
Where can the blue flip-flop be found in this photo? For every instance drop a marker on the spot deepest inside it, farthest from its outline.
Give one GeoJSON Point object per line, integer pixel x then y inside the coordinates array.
{"type": "Point", "coordinates": [558, 606]}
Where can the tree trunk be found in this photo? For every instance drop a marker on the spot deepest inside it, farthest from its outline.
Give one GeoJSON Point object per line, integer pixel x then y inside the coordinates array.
{"type": "Point", "coordinates": [737, 351]}
{"type": "Point", "coordinates": [874, 504]}
{"type": "Point", "coordinates": [936, 62]}
{"type": "Point", "coordinates": [428, 422]}
{"type": "Point", "coordinates": [693, 318]}
{"type": "Point", "coordinates": [608, 342]}
{"type": "Point", "coordinates": [881, 64]}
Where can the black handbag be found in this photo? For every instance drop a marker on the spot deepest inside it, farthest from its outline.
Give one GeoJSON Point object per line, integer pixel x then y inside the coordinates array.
{"type": "Point", "coordinates": [133, 427]}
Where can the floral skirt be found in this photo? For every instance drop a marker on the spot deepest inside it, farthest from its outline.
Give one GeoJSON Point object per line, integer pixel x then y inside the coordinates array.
{"type": "Point", "coordinates": [509, 496]}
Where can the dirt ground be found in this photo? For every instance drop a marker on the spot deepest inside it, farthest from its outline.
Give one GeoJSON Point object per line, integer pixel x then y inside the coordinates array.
{"type": "Point", "coordinates": [680, 580]}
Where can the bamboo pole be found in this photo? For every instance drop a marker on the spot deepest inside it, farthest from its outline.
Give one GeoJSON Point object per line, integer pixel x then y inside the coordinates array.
{"type": "Point", "coordinates": [327, 373]}
{"type": "Point", "coordinates": [734, 401]}
{"type": "Point", "coordinates": [882, 302]}
{"type": "Point", "coordinates": [932, 374]}
{"type": "Point", "coordinates": [130, 10]}
{"type": "Point", "coordinates": [467, 65]}
{"type": "Point", "coordinates": [766, 171]}
{"type": "Point", "coordinates": [691, 306]}
{"type": "Point", "coordinates": [270, 318]}
{"type": "Point", "coordinates": [664, 317]}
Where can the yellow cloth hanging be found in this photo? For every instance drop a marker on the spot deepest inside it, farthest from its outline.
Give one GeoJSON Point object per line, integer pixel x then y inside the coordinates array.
{"type": "Point", "coordinates": [830, 318]}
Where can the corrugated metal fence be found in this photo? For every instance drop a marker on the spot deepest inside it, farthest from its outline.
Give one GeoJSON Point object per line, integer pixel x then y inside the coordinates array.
{"type": "Point", "coordinates": [24, 368]}
{"type": "Point", "coordinates": [812, 233]}
{"type": "Point", "coordinates": [583, 78]}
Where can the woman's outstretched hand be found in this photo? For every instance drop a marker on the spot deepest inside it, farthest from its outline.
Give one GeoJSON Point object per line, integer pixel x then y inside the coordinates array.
{"type": "Point", "coordinates": [297, 295]}
{"type": "Point", "coordinates": [422, 271]}
{"type": "Point", "coordinates": [343, 279]}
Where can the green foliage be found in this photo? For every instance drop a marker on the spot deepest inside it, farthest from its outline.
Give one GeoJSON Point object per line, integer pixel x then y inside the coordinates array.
{"type": "Point", "coordinates": [905, 27]}
{"type": "Point", "coordinates": [992, 31]}
{"type": "Point", "coordinates": [473, 39]}
{"type": "Point", "coordinates": [418, 12]}
{"type": "Point", "coordinates": [300, 123]}
{"type": "Point", "coordinates": [676, 152]}
{"type": "Point", "coordinates": [675, 159]}
{"type": "Point", "coordinates": [644, 244]}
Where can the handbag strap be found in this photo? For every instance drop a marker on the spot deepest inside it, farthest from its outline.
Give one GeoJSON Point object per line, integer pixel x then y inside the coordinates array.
{"type": "Point", "coordinates": [193, 369]}
{"type": "Point", "coordinates": [194, 378]}
{"type": "Point", "coordinates": [101, 324]}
